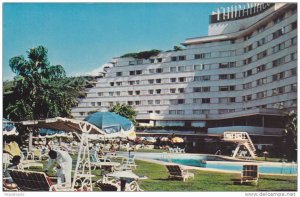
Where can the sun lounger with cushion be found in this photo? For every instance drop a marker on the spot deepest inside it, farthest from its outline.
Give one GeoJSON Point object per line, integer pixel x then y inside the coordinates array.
{"type": "Point", "coordinates": [175, 171]}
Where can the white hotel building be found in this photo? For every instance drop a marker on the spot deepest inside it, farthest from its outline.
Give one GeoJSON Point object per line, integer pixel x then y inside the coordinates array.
{"type": "Point", "coordinates": [241, 77]}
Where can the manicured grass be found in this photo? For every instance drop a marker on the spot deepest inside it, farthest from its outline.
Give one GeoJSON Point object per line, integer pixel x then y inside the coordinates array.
{"type": "Point", "coordinates": [209, 181]}
{"type": "Point", "coordinates": [204, 181]}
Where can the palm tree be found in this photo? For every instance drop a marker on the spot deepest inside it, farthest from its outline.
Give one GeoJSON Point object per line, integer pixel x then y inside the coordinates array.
{"type": "Point", "coordinates": [36, 93]}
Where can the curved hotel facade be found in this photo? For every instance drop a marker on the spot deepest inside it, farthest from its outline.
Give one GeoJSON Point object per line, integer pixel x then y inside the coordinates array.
{"type": "Point", "coordinates": [241, 77]}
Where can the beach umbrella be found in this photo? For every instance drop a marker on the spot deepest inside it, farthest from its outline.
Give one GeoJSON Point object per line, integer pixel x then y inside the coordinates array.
{"type": "Point", "coordinates": [112, 124]}
{"type": "Point", "coordinates": [177, 140]}
{"type": "Point", "coordinates": [9, 128]}
{"type": "Point", "coordinates": [164, 139]}
{"type": "Point", "coordinates": [150, 139]}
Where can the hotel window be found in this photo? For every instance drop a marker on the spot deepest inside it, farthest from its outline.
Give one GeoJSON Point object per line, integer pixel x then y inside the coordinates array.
{"type": "Point", "coordinates": [130, 102]}
{"type": "Point", "coordinates": [157, 111]}
{"type": "Point", "coordinates": [260, 95]}
{"type": "Point", "coordinates": [180, 112]}
{"type": "Point", "coordinates": [199, 67]}
{"type": "Point", "coordinates": [82, 113]}
{"type": "Point", "coordinates": [225, 111]}
{"type": "Point", "coordinates": [261, 81]}
{"type": "Point", "coordinates": [293, 71]}
{"type": "Point", "coordinates": [247, 37]}
{"type": "Point", "coordinates": [132, 72]}
{"type": "Point", "coordinates": [112, 83]}
{"type": "Point", "coordinates": [137, 102]}
{"type": "Point", "coordinates": [180, 101]}
{"type": "Point", "coordinates": [247, 85]}
{"type": "Point", "coordinates": [119, 83]}
{"type": "Point", "coordinates": [182, 57]}
{"type": "Point", "coordinates": [100, 93]}
{"type": "Point", "coordinates": [278, 33]}
{"type": "Point", "coordinates": [173, 102]}
{"type": "Point", "coordinates": [131, 83]}
{"type": "Point", "coordinates": [130, 92]}
{"type": "Point", "coordinates": [226, 88]}
{"type": "Point", "coordinates": [172, 80]}
{"type": "Point", "coordinates": [206, 100]}
{"type": "Point", "coordinates": [150, 81]}
{"type": "Point", "coordinates": [173, 90]}
{"type": "Point", "coordinates": [248, 48]}
{"type": "Point", "coordinates": [151, 61]}
{"type": "Point", "coordinates": [202, 55]}
{"type": "Point", "coordinates": [98, 103]}
{"type": "Point", "coordinates": [158, 80]}
{"type": "Point", "coordinates": [261, 28]}
{"type": "Point", "coordinates": [248, 73]}
{"type": "Point", "coordinates": [137, 92]}
{"type": "Point", "coordinates": [182, 79]}
{"type": "Point", "coordinates": [174, 59]}
{"type": "Point", "coordinates": [159, 70]}
{"type": "Point", "coordinates": [158, 91]}
{"type": "Point", "coordinates": [231, 99]}
{"type": "Point", "coordinates": [150, 102]}
{"type": "Point", "coordinates": [132, 62]}
{"type": "Point", "coordinates": [118, 74]}
{"type": "Point", "coordinates": [294, 87]}
{"type": "Point", "coordinates": [205, 89]}
{"type": "Point", "coordinates": [278, 61]}
{"type": "Point", "coordinates": [248, 60]}
{"type": "Point", "coordinates": [261, 42]}
{"type": "Point", "coordinates": [157, 102]}
{"type": "Point", "coordinates": [278, 76]}
{"type": "Point", "coordinates": [278, 47]}
{"type": "Point", "coordinates": [139, 61]}
{"type": "Point", "coordinates": [118, 93]}
{"type": "Point", "coordinates": [159, 59]}
{"type": "Point", "coordinates": [138, 72]}
{"type": "Point", "coordinates": [137, 82]}
{"type": "Point", "coordinates": [150, 91]}
{"type": "Point", "coordinates": [262, 54]}
{"type": "Point", "coordinates": [200, 111]}
{"type": "Point", "coordinates": [181, 68]}
{"type": "Point", "coordinates": [173, 69]}
{"type": "Point", "coordinates": [279, 90]}
{"type": "Point", "coordinates": [293, 56]}
{"type": "Point", "coordinates": [111, 93]}
{"type": "Point", "coordinates": [172, 112]}
{"type": "Point", "coordinates": [223, 76]}
{"type": "Point", "coordinates": [181, 90]}
{"type": "Point", "coordinates": [93, 104]}
{"type": "Point", "coordinates": [197, 100]}
{"type": "Point", "coordinates": [261, 68]}
{"type": "Point", "coordinates": [247, 98]}
{"type": "Point", "coordinates": [294, 41]}
{"type": "Point", "coordinates": [278, 19]}
{"type": "Point", "coordinates": [151, 71]}
{"type": "Point", "coordinates": [227, 65]}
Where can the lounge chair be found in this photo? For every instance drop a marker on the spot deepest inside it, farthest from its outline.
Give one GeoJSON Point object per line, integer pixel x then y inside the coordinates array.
{"type": "Point", "coordinates": [175, 171]}
{"type": "Point", "coordinates": [31, 181]}
{"type": "Point", "coordinates": [129, 161]}
{"type": "Point", "coordinates": [34, 181]}
{"type": "Point", "coordinates": [250, 174]}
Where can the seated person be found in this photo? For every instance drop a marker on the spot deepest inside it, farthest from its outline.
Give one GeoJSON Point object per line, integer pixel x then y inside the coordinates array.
{"type": "Point", "coordinates": [9, 182]}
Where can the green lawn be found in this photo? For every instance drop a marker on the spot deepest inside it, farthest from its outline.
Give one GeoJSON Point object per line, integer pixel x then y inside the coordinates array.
{"type": "Point", "coordinates": [208, 181]}
{"type": "Point", "coordinates": [204, 181]}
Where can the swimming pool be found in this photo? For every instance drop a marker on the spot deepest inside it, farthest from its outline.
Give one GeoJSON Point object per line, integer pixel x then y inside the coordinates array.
{"type": "Point", "coordinates": [219, 163]}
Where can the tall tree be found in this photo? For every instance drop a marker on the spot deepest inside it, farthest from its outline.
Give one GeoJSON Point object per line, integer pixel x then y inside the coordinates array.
{"type": "Point", "coordinates": [126, 111]}
{"type": "Point", "coordinates": [291, 135]}
{"type": "Point", "coordinates": [37, 93]}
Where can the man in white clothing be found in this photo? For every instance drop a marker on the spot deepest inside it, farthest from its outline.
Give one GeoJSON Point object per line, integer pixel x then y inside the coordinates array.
{"type": "Point", "coordinates": [64, 165]}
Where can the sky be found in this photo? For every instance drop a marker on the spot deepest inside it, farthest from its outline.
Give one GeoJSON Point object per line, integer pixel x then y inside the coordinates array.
{"type": "Point", "coordinates": [83, 36]}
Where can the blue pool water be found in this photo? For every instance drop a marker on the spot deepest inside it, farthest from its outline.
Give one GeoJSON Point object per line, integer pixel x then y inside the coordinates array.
{"type": "Point", "coordinates": [236, 166]}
